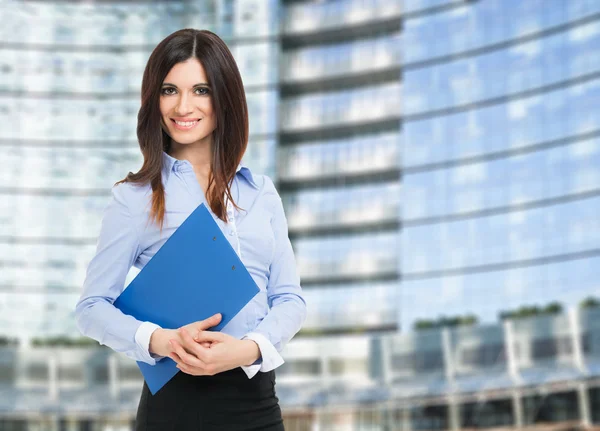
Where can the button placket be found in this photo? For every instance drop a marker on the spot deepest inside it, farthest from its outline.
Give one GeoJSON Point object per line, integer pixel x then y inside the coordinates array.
{"type": "Point", "coordinates": [233, 231]}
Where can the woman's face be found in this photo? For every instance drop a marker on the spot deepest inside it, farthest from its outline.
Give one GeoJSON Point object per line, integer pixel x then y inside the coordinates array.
{"type": "Point", "coordinates": [186, 104]}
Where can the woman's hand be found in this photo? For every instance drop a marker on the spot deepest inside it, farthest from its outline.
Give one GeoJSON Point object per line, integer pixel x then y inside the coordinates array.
{"type": "Point", "coordinates": [224, 352]}
{"type": "Point", "coordinates": [159, 340]}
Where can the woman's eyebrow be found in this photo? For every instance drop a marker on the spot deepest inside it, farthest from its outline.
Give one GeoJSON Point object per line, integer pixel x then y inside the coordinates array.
{"type": "Point", "coordinates": [196, 85]}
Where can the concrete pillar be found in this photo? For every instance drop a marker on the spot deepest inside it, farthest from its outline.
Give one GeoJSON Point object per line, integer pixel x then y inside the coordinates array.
{"type": "Point", "coordinates": [454, 414]}
{"type": "Point", "coordinates": [448, 356]}
{"type": "Point", "coordinates": [316, 421]}
{"type": "Point", "coordinates": [511, 357]}
{"type": "Point", "coordinates": [53, 377]}
{"type": "Point", "coordinates": [517, 410]}
{"type": "Point", "coordinates": [578, 354]}
{"type": "Point", "coordinates": [386, 356]}
{"type": "Point", "coordinates": [113, 376]}
{"type": "Point", "coordinates": [406, 422]}
{"type": "Point", "coordinates": [583, 399]}
{"type": "Point", "coordinates": [325, 369]}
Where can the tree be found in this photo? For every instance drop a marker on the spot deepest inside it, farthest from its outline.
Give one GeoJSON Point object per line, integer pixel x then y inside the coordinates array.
{"type": "Point", "coordinates": [590, 302]}
{"type": "Point", "coordinates": [62, 341]}
{"type": "Point", "coordinates": [6, 341]}
{"type": "Point", "coordinates": [531, 310]}
{"type": "Point", "coordinates": [445, 322]}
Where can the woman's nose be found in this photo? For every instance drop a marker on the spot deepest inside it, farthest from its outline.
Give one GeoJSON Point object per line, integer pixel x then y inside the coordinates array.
{"type": "Point", "coordinates": [183, 105]}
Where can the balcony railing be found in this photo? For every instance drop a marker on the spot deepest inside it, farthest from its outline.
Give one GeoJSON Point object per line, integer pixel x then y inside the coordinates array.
{"type": "Point", "coordinates": [358, 316]}
{"type": "Point", "coordinates": [315, 17]}
{"type": "Point", "coordinates": [339, 158]}
{"type": "Point", "coordinates": [364, 105]}
{"type": "Point", "coordinates": [304, 218]}
{"type": "Point", "coordinates": [350, 59]}
{"type": "Point", "coordinates": [355, 265]}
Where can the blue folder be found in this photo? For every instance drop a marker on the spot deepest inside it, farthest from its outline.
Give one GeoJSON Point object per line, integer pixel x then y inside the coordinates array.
{"type": "Point", "coordinates": [195, 274]}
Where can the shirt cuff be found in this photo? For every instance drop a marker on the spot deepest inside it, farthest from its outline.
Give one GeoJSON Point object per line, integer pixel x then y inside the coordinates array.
{"type": "Point", "coordinates": [270, 357]}
{"type": "Point", "coordinates": [142, 339]}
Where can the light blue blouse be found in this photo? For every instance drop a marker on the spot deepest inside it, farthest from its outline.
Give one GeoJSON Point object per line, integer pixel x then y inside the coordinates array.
{"type": "Point", "coordinates": [127, 238]}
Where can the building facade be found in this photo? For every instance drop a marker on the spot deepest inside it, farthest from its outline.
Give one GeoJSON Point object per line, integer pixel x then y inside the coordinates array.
{"type": "Point", "coordinates": [438, 162]}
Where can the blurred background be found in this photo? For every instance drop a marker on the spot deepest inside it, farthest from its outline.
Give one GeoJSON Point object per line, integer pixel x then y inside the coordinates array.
{"type": "Point", "coordinates": [439, 163]}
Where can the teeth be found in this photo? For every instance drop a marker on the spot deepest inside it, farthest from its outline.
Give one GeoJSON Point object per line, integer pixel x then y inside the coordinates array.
{"type": "Point", "coordinates": [187, 123]}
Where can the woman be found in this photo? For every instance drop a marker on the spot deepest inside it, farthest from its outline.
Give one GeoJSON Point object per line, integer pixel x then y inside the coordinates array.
{"type": "Point", "coordinates": [193, 131]}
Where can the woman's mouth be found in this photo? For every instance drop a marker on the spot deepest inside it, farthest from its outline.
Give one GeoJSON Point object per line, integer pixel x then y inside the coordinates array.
{"type": "Point", "coordinates": [185, 125]}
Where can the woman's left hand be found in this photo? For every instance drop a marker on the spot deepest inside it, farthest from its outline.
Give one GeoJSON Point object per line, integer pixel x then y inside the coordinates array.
{"type": "Point", "coordinates": [225, 352]}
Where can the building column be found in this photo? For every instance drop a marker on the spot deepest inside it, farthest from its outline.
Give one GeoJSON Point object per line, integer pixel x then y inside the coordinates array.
{"type": "Point", "coordinates": [386, 355]}
{"type": "Point", "coordinates": [448, 357]}
{"type": "Point", "coordinates": [583, 399]}
{"type": "Point", "coordinates": [454, 413]}
{"type": "Point", "coordinates": [406, 422]}
{"type": "Point", "coordinates": [113, 376]}
{"type": "Point", "coordinates": [517, 404]}
{"type": "Point", "coordinates": [325, 369]}
{"type": "Point", "coordinates": [449, 372]}
{"type": "Point", "coordinates": [511, 357]}
{"type": "Point", "coordinates": [53, 377]}
{"type": "Point", "coordinates": [316, 421]}
{"type": "Point", "coordinates": [578, 354]}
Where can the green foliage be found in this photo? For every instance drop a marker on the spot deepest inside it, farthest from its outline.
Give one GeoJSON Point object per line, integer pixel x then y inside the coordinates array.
{"type": "Point", "coordinates": [590, 302]}
{"type": "Point", "coordinates": [531, 310]}
{"type": "Point", "coordinates": [6, 341]}
{"type": "Point", "coordinates": [446, 322]}
{"type": "Point", "coordinates": [62, 341]}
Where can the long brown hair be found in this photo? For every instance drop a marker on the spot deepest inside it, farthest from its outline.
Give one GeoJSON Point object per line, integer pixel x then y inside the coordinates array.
{"type": "Point", "coordinates": [230, 137]}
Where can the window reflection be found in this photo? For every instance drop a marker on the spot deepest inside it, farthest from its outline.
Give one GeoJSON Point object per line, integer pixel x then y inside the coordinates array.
{"type": "Point", "coordinates": [478, 24]}
{"type": "Point", "coordinates": [309, 17]}
{"type": "Point", "coordinates": [365, 153]}
{"type": "Point", "coordinates": [351, 106]}
{"type": "Point", "coordinates": [519, 123]}
{"type": "Point", "coordinates": [554, 58]}
{"type": "Point", "coordinates": [330, 60]}
{"type": "Point", "coordinates": [503, 182]}
{"type": "Point", "coordinates": [347, 206]}
{"type": "Point", "coordinates": [363, 305]}
{"type": "Point", "coordinates": [357, 255]}
{"type": "Point", "coordinates": [489, 292]}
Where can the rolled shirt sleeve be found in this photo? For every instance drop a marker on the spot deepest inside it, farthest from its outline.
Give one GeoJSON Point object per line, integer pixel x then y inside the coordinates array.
{"type": "Point", "coordinates": [287, 305]}
{"type": "Point", "coordinates": [117, 249]}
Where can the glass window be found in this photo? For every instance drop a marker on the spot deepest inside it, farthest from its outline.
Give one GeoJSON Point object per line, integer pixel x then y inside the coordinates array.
{"type": "Point", "coordinates": [490, 292]}
{"type": "Point", "coordinates": [474, 25]}
{"type": "Point", "coordinates": [500, 127]}
{"type": "Point", "coordinates": [503, 182]}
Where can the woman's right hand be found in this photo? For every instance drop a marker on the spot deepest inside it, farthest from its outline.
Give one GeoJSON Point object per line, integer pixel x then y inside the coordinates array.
{"type": "Point", "coordinates": [159, 340]}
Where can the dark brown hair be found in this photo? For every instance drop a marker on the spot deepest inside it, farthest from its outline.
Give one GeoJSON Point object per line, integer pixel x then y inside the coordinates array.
{"type": "Point", "coordinates": [230, 137]}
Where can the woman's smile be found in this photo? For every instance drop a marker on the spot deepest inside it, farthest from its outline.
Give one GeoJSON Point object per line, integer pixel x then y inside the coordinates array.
{"type": "Point", "coordinates": [185, 125]}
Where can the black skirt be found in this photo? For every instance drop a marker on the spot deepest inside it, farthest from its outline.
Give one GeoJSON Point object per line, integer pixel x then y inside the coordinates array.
{"type": "Point", "coordinates": [227, 401]}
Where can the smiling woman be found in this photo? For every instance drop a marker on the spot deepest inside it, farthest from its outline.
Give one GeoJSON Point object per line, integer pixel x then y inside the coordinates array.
{"type": "Point", "coordinates": [193, 131]}
{"type": "Point", "coordinates": [194, 79]}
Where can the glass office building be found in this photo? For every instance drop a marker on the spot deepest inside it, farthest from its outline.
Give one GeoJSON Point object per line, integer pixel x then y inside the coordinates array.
{"type": "Point", "coordinates": [69, 96]}
{"type": "Point", "coordinates": [500, 156]}
{"type": "Point", "coordinates": [438, 161]}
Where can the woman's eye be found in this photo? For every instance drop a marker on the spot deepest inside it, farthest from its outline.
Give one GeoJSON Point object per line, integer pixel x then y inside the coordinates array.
{"type": "Point", "coordinates": [199, 91]}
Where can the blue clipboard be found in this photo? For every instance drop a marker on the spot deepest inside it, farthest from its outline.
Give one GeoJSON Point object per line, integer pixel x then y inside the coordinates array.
{"type": "Point", "coordinates": [195, 274]}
